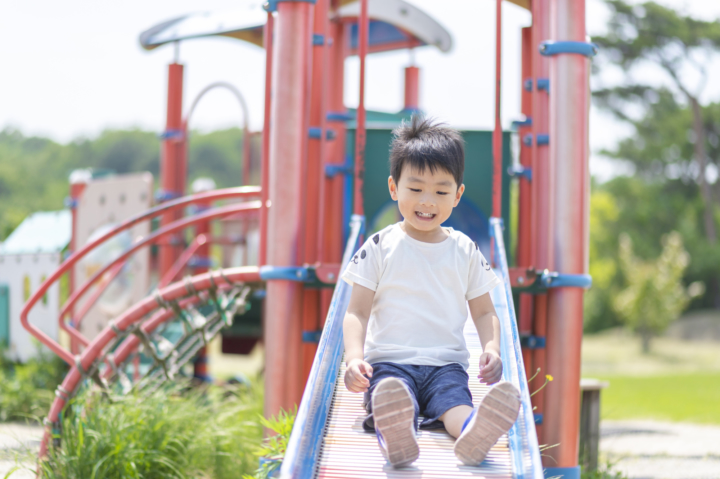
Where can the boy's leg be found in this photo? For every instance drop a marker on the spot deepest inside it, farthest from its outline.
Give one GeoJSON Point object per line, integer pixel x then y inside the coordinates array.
{"type": "Point", "coordinates": [495, 415]}
{"type": "Point", "coordinates": [454, 418]}
{"type": "Point", "coordinates": [389, 370]}
{"type": "Point", "coordinates": [393, 407]}
{"type": "Point", "coordinates": [394, 415]}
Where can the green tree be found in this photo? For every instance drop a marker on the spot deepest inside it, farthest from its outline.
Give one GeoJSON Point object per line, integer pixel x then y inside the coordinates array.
{"type": "Point", "coordinates": [655, 295]}
{"type": "Point", "coordinates": [676, 138]}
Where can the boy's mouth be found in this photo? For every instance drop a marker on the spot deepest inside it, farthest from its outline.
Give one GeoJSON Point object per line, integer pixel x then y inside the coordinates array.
{"type": "Point", "coordinates": [424, 216]}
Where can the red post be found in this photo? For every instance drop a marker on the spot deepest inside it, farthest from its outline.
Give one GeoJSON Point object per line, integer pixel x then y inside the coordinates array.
{"type": "Point", "coordinates": [569, 110]}
{"type": "Point", "coordinates": [412, 88]}
{"type": "Point", "coordinates": [78, 183]}
{"type": "Point", "coordinates": [265, 152]}
{"type": "Point", "coordinates": [288, 147]}
{"type": "Point", "coordinates": [540, 194]}
{"type": "Point", "coordinates": [172, 168]}
{"type": "Point", "coordinates": [497, 132]}
{"type": "Point", "coordinates": [524, 233]}
{"type": "Point", "coordinates": [363, 27]}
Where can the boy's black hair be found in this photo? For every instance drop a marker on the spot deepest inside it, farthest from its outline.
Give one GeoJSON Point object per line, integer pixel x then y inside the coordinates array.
{"type": "Point", "coordinates": [421, 143]}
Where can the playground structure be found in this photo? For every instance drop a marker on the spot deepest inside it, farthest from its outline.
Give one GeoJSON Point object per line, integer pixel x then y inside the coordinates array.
{"type": "Point", "coordinates": [312, 172]}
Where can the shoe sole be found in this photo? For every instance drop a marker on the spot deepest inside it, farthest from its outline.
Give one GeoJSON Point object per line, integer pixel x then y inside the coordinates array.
{"type": "Point", "coordinates": [394, 414]}
{"type": "Point", "coordinates": [495, 415]}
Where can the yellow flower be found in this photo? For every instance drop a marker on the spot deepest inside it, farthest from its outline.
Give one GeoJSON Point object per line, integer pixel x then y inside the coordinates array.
{"type": "Point", "coordinates": [548, 377]}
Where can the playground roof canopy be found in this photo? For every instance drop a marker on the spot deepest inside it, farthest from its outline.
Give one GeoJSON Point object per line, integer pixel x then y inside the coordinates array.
{"type": "Point", "coordinates": [42, 232]}
{"type": "Point", "coordinates": [394, 24]}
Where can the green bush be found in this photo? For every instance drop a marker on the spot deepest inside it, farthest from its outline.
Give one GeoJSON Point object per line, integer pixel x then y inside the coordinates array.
{"type": "Point", "coordinates": [27, 390]}
{"type": "Point", "coordinates": [170, 434]}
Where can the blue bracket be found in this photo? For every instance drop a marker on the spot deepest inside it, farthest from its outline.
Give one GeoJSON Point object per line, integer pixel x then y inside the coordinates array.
{"type": "Point", "coordinates": [333, 169]}
{"type": "Point", "coordinates": [543, 84]}
{"type": "Point", "coordinates": [522, 123]}
{"type": "Point", "coordinates": [520, 170]}
{"type": "Point", "coordinates": [546, 279]}
{"type": "Point", "coordinates": [200, 262]}
{"type": "Point", "coordinates": [562, 472]}
{"type": "Point", "coordinates": [542, 139]}
{"type": "Point", "coordinates": [528, 84]}
{"type": "Point", "coordinates": [271, 5]}
{"type": "Point", "coordinates": [70, 202]}
{"type": "Point", "coordinates": [532, 342]}
{"type": "Point", "coordinates": [538, 417]}
{"type": "Point", "coordinates": [165, 195]}
{"type": "Point", "coordinates": [339, 116]}
{"type": "Point", "coordinates": [311, 336]}
{"type": "Point", "coordinates": [318, 39]}
{"type": "Point", "coordinates": [316, 132]}
{"type": "Point", "coordinates": [550, 47]}
{"type": "Point", "coordinates": [172, 134]}
{"type": "Point", "coordinates": [288, 273]}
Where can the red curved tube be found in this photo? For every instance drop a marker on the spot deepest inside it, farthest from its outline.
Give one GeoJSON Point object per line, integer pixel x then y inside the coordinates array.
{"type": "Point", "coordinates": [170, 228]}
{"type": "Point", "coordinates": [132, 315]}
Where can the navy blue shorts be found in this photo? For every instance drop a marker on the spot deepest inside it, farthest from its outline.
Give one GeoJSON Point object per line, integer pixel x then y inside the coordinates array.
{"type": "Point", "coordinates": [434, 390]}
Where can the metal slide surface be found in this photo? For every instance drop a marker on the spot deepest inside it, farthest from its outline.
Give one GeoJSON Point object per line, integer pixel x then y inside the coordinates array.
{"type": "Point", "coordinates": [328, 440]}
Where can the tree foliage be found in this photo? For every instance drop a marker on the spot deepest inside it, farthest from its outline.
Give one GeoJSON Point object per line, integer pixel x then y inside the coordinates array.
{"type": "Point", "coordinates": [673, 140]}
{"type": "Point", "coordinates": [34, 171]}
{"type": "Point", "coordinates": [655, 295]}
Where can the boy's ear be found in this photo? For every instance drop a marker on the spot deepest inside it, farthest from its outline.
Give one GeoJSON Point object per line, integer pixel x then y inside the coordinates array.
{"type": "Point", "coordinates": [392, 187]}
{"type": "Point", "coordinates": [458, 195]}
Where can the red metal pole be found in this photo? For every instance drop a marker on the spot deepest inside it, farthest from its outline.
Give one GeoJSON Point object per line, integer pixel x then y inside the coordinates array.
{"type": "Point", "coordinates": [363, 27]}
{"type": "Point", "coordinates": [288, 146]}
{"type": "Point", "coordinates": [412, 88]}
{"type": "Point", "coordinates": [540, 193]}
{"type": "Point", "coordinates": [76, 189]}
{"type": "Point", "coordinates": [569, 110]}
{"type": "Point", "coordinates": [524, 233]}
{"type": "Point", "coordinates": [265, 152]}
{"type": "Point", "coordinates": [172, 167]}
{"type": "Point", "coordinates": [497, 132]}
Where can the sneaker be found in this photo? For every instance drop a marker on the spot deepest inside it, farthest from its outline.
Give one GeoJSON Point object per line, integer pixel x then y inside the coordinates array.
{"type": "Point", "coordinates": [394, 417]}
{"type": "Point", "coordinates": [495, 415]}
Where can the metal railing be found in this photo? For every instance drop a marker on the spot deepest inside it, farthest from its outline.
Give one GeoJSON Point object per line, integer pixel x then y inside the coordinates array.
{"type": "Point", "coordinates": [306, 437]}
{"type": "Point", "coordinates": [522, 437]}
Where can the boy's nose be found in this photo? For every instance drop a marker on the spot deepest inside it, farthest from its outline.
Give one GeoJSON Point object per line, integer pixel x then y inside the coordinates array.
{"type": "Point", "coordinates": [427, 200]}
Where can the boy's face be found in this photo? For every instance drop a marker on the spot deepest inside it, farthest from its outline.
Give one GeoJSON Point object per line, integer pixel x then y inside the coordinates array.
{"type": "Point", "coordinates": [426, 199]}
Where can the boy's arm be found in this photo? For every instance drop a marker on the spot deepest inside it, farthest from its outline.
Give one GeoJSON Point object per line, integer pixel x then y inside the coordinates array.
{"type": "Point", "coordinates": [488, 328]}
{"type": "Point", "coordinates": [354, 330]}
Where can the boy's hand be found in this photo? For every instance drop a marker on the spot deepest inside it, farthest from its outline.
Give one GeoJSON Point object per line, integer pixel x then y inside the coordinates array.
{"type": "Point", "coordinates": [490, 367]}
{"type": "Point", "coordinates": [355, 373]}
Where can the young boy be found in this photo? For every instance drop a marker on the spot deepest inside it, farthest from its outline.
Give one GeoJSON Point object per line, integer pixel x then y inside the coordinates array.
{"type": "Point", "coordinates": [412, 284]}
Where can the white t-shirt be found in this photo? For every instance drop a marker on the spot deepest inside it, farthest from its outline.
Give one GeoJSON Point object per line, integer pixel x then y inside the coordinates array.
{"type": "Point", "coordinates": [421, 293]}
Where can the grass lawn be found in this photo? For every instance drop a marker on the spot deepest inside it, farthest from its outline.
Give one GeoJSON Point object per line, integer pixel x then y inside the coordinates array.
{"type": "Point", "coordinates": [691, 397]}
{"type": "Point", "coordinates": [677, 381]}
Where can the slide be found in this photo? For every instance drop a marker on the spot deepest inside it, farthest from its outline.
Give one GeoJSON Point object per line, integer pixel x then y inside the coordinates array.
{"type": "Point", "coordinates": [328, 440]}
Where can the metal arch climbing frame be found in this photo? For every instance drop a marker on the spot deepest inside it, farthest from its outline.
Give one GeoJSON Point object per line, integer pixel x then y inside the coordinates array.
{"type": "Point", "coordinates": [174, 301]}
{"type": "Point", "coordinates": [308, 439]}
{"type": "Point", "coordinates": [54, 346]}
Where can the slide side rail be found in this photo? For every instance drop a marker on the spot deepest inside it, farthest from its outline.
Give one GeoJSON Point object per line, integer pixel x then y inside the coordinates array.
{"type": "Point", "coordinates": [306, 437]}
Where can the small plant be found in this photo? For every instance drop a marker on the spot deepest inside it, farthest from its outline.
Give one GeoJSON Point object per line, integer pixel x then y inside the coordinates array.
{"type": "Point", "coordinates": [27, 390]}
{"type": "Point", "coordinates": [602, 473]}
{"type": "Point", "coordinates": [272, 451]}
{"type": "Point", "coordinates": [174, 433]}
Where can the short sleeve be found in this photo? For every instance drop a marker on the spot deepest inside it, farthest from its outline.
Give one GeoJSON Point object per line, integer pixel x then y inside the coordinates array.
{"type": "Point", "coordinates": [481, 278]}
{"type": "Point", "coordinates": [365, 265]}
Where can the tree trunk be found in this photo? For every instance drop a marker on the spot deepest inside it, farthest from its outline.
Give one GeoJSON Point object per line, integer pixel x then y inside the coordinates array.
{"type": "Point", "coordinates": [705, 191]}
{"type": "Point", "coordinates": [701, 157]}
{"type": "Point", "coordinates": [645, 338]}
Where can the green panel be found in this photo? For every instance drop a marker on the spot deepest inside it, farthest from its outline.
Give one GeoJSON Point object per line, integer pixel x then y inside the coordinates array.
{"type": "Point", "coordinates": [477, 179]}
{"type": "Point", "coordinates": [4, 314]}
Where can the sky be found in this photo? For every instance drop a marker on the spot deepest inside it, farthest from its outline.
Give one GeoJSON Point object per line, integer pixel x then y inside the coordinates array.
{"type": "Point", "coordinates": [74, 68]}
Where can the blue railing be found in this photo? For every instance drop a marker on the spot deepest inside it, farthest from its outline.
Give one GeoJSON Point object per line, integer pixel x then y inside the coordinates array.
{"type": "Point", "coordinates": [524, 449]}
{"type": "Point", "coordinates": [306, 437]}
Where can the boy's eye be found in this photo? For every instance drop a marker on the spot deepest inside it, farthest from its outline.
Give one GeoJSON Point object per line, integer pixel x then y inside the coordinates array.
{"type": "Point", "coordinates": [415, 190]}
{"type": "Point", "coordinates": [442, 192]}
